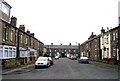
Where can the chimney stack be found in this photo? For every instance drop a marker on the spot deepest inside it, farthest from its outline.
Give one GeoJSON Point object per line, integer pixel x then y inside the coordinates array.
{"type": "Point", "coordinates": [28, 32]}
{"type": "Point", "coordinates": [13, 21]}
{"type": "Point", "coordinates": [51, 43]}
{"type": "Point", "coordinates": [102, 30]}
{"type": "Point", "coordinates": [32, 34]}
{"type": "Point", "coordinates": [22, 27]}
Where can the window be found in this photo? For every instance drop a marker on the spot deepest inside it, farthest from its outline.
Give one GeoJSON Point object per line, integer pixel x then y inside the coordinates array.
{"type": "Point", "coordinates": [55, 50]}
{"type": "Point", "coordinates": [69, 50]}
{"type": "Point", "coordinates": [16, 37]}
{"type": "Point", "coordinates": [113, 35]}
{"type": "Point", "coordinates": [107, 40]}
{"type": "Point", "coordinates": [4, 32]}
{"type": "Point", "coordinates": [116, 35]}
{"type": "Point", "coordinates": [74, 50]}
{"type": "Point", "coordinates": [102, 40]}
{"type": "Point", "coordinates": [114, 52]}
{"type": "Point", "coordinates": [11, 35]}
{"type": "Point", "coordinates": [26, 40]}
{"type": "Point", "coordinates": [1, 51]}
{"type": "Point", "coordinates": [0, 6]}
{"type": "Point", "coordinates": [5, 9]}
{"type": "Point", "coordinates": [65, 50]}
{"type": "Point", "coordinates": [10, 52]}
{"type": "Point", "coordinates": [6, 52]}
{"type": "Point", "coordinates": [7, 32]}
{"type": "Point", "coordinates": [107, 52]}
{"type": "Point", "coordinates": [21, 38]}
{"type": "Point", "coordinates": [50, 50]}
{"type": "Point", "coordinates": [59, 50]}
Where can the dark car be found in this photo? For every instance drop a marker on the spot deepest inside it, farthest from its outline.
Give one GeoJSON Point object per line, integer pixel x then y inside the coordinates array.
{"type": "Point", "coordinates": [83, 60]}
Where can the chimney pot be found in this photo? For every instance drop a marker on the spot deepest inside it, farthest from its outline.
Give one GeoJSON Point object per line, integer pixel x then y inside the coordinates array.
{"type": "Point", "coordinates": [22, 27]}
{"type": "Point", "coordinates": [13, 21]}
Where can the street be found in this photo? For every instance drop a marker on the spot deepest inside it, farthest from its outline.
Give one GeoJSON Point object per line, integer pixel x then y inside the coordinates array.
{"type": "Point", "coordinates": [65, 68]}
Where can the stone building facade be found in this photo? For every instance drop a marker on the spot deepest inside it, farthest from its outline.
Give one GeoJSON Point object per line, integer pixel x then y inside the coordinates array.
{"type": "Point", "coordinates": [91, 47]}
{"type": "Point", "coordinates": [17, 46]}
{"type": "Point", "coordinates": [63, 50]}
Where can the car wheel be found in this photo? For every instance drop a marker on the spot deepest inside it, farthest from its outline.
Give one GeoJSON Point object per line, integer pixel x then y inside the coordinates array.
{"type": "Point", "coordinates": [35, 67]}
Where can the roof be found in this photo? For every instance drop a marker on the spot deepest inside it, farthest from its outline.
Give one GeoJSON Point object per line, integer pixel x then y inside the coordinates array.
{"type": "Point", "coordinates": [62, 46]}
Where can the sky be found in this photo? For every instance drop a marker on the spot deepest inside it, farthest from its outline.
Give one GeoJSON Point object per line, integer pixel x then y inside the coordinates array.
{"type": "Point", "coordinates": [65, 21]}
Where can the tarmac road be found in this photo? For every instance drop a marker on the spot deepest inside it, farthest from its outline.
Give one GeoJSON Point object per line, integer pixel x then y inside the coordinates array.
{"type": "Point", "coordinates": [65, 68]}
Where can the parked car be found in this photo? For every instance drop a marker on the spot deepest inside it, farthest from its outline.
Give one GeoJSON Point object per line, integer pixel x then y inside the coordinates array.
{"type": "Point", "coordinates": [57, 57]}
{"type": "Point", "coordinates": [73, 57]}
{"type": "Point", "coordinates": [51, 60]}
{"type": "Point", "coordinates": [83, 60]}
{"type": "Point", "coordinates": [42, 61]}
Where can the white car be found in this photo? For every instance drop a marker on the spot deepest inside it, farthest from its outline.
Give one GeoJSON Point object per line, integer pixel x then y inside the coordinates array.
{"type": "Point", "coordinates": [57, 57]}
{"type": "Point", "coordinates": [83, 60]}
{"type": "Point", "coordinates": [51, 60]}
{"type": "Point", "coordinates": [42, 61]}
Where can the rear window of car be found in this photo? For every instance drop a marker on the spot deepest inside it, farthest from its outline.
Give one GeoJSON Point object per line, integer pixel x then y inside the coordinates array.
{"type": "Point", "coordinates": [84, 58]}
{"type": "Point", "coordinates": [42, 59]}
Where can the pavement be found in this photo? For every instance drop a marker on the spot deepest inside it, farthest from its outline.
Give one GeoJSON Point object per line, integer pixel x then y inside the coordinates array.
{"type": "Point", "coordinates": [117, 67]}
{"type": "Point", "coordinates": [19, 70]}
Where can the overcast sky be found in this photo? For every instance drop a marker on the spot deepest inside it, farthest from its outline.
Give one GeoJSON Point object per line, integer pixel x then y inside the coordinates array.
{"type": "Point", "coordinates": [65, 21]}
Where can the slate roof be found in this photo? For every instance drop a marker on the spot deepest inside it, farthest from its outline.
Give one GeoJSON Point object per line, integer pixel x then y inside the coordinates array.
{"type": "Point", "coordinates": [62, 46]}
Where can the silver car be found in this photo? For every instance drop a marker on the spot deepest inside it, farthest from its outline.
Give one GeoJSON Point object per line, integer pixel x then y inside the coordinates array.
{"type": "Point", "coordinates": [83, 60]}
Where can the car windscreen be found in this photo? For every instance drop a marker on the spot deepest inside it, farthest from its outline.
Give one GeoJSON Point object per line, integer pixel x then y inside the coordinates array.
{"type": "Point", "coordinates": [83, 58]}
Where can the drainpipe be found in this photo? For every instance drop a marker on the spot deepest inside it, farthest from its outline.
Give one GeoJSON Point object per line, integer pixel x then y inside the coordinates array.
{"type": "Point", "coordinates": [18, 52]}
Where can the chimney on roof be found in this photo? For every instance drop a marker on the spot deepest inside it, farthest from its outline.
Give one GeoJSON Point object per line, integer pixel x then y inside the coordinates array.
{"type": "Point", "coordinates": [70, 44]}
{"type": "Point", "coordinates": [28, 32]}
{"type": "Point", "coordinates": [51, 43]}
{"type": "Point", "coordinates": [32, 34]}
{"type": "Point", "coordinates": [78, 44]}
{"type": "Point", "coordinates": [107, 28]}
{"type": "Point", "coordinates": [102, 30]}
{"type": "Point", "coordinates": [60, 43]}
{"type": "Point", "coordinates": [22, 27]}
{"type": "Point", "coordinates": [13, 21]}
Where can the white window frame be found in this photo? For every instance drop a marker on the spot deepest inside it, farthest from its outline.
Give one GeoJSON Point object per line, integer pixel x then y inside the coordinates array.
{"type": "Point", "coordinates": [5, 9]}
{"type": "Point", "coordinates": [6, 50]}
{"type": "Point", "coordinates": [0, 6]}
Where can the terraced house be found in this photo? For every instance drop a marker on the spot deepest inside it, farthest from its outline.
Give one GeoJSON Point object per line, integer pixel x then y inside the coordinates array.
{"type": "Point", "coordinates": [91, 47]}
{"type": "Point", "coordinates": [63, 50]}
{"type": "Point", "coordinates": [104, 47]}
{"type": "Point", "coordinates": [105, 44]}
{"type": "Point", "coordinates": [16, 46]}
{"type": "Point", "coordinates": [110, 45]}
